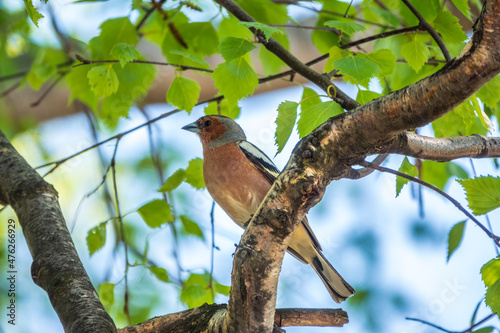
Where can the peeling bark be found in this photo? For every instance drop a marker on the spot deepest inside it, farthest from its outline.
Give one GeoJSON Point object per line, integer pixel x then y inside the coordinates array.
{"type": "Point", "coordinates": [56, 267]}
{"type": "Point", "coordinates": [211, 318]}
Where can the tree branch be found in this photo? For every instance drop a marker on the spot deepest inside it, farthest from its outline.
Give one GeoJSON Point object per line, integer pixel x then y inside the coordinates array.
{"type": "Point", "coordinates": [335, 146]}
{"type": "Point", "coordinates": [210, 317]}
{"type": "Point", "coordinates": [298, 66]}
{"type": "Point", "coordinates": [430, 30]}
{"type": "Point", "coordinates": [457, 204]}
{"type": "Point", "coordinates": [56, 267]}
{"type": "Point", "coordinates": [445, 149]}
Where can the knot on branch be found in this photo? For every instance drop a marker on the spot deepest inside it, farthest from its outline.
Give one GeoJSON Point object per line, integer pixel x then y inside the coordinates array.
{"type": "Point", "coordinates": [309, 189]}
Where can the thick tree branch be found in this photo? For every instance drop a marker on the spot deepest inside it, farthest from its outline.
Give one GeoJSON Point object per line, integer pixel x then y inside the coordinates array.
{"type": "Point", "coordinates": [211, 318]}
{"type": "Point", "coordinates": [430, 30]}
{"type": "Point", "coordinates": [56, 267]}
{"type": "Point", "coordinates": [272, 45]}
{"type": "Point", "coordinates": [445, 149]}
{"type": "Point", "coordinates": [333, 148]}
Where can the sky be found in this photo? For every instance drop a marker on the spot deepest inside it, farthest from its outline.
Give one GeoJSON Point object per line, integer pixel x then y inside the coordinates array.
{"type": "Point", "coordinates": [352, 215]}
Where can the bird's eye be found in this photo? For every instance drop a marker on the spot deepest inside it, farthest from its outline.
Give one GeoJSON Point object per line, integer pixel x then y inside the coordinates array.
{"type": "Point", "coordinates": [208, 123]}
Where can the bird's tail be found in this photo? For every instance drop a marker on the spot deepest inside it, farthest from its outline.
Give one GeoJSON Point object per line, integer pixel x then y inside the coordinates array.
{"type": "Point", "coordinates": [338, 288]}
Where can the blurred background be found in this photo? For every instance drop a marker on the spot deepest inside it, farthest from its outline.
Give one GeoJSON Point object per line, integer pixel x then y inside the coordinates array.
{"type": "Point", "coordinates": [392, 250]}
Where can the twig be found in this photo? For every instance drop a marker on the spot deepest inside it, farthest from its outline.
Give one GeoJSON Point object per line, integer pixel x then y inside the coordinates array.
{"type": "Point", "coordinates": [380, 36]}
{"type": "Point", "coordinates": [122, 230]}
{"type": "Point", "coordinates": [272, 45]}
{"type": "Point", "coordinates": [495, 238]}
{"type": "Point", "coordinates": [13, 76]}
{"type": "Point", "coordinates": [430, 30]}
{"type": "Point", "coordinates": [212, 224]}
{"type": "Point", "coordinates": [449, 331]}
{"type": "Point", "coordinates": [160, 63]}
{"type": "Point", "coordinates": [357, 174]}
{"type": "Point", "coordinates": [155, 155]}
{"type": "Point", "coordinates": [62, 38]}
{"type": "Point", "coordinates": [429, 324]}
{"type": "Point", "coordinates": [342, 15]}
{"type": "Point", "coordinates": [148, 13]}
{"type": "Point", "coordinates": [164, 115]}
{"type": "Point", "coordinates": [49, 89]}
{"type": "Point", "coordinates": [10, 89]}
{"type": "Point", "coordinates": [306, 27]}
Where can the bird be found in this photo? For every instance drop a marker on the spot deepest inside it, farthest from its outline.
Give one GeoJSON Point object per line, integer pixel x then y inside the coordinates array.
{"type": "Point", "coordinates": [238, 176]}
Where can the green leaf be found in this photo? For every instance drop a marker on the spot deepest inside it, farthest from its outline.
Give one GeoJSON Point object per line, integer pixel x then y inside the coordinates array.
{"type": "Point", "coordinates": [183, 93]}
{"type": "Point", "coordinates": [196, 290]}
{"type": "Point", "coordinates": [160, 273]}
{"type": "Point", "coordinates": [235, 79]}
{"type": "Point", "coordinates": [359, 69]}
{"type": "Point", "coordinates": [287, 115]}
{"type": "Point", "coordinates": [103, 80]}
{"type": "Point", "coordinates": [33, 13]}
{"type": "Point", "coordinates": [227, 108]}
{"type": "Point", "coordinates": [125, 53]}
{"type": "Point", "coordinates": [80, 88]}
{"type": "Point", "coordinates": [489, 92]}
{"type": "Point", "coordinates": [334, 53]}
{"type": "Point", "coordinates": [309, 98]}
{"type": "Point", "coordinates": [483, 193]}
{"type": "Point", "coordinates": [222, 289]}
{"type": "Point", "coordinates": [406, 168]}
{"type": "Point", "coordinates": [416, 53]}
{"type": "Point", "coordinates": [191, 228]}
{"type": "Point", "coordinates": [191, 57]}
{"type": "Point", "coordinates": [438, 173]}
{"type": "Point", "coordinates": [134, 83]}
{"type": "Point", "coordinates": [156, 213]}
{"type": "Point", "coordinates": [271, 64]}
{"type": "Point", "coordinates": [96, 238]}
{"type": "Point", "coordinates": [46, 65]}
{"type": "Point", "coordinates": [232, 48]}
{"type": "Point", "coordinates": [483, 117]}
{"type": "Point", "coordinates": [386, 16]}
{"type": "Point", "coordinates": [313, 116]}
{"type": "Point", "coordinates": [449, 28]}
{"type": "Point", "coordinates": [463, 6]}
{"type": "Point", "coordinates": [194, 173]}
{"type": "Point", "coordinates": [113, 31]}
{"type": "Point", "coordinates": [455, 238]}
{"type": "Point", "coordinates": [490, 272]}
{"type": "Point", "coordinates": [267, 30]}
{"type": "Point", "coordinates": [384, 58]}
{"type": "Point", "coordinates": [230, 27]}
{"type": "Point", "coordinates": [459, 121]}
{"type": "Point", "coordinates": [107, 293]}
{"type": "Point", "coordinates": [346, 27]}
{"type": "Point", "coordinates": [199, 39]}
{"type": "Point", "coordinates": [492, 297]}
{"type": "Point", "coordinates": [487, 329]}
{"type": "Point", "coordinates": [365, 96]}
{"type": "Point", "coordinates": [173, 181]}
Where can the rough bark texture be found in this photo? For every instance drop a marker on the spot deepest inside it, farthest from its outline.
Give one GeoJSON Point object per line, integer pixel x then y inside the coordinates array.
{"type": "Point", "coordinates": [211, 318]}
{"type": "Point", "coordinates": [56, 267]}
{"type": "Point", "coordinates": [328, 153]}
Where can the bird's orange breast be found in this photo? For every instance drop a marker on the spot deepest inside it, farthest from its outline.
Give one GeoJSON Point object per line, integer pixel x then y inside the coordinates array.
{"type": "Point", "coordinates": [233, 182]}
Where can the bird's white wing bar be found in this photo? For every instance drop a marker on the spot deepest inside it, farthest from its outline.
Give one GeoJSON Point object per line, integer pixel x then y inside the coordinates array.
{"type": "Point", "coordinates": [259, 160]}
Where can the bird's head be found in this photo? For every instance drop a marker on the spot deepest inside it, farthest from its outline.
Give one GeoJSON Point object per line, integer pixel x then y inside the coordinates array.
{"type": "Point", "coordinates": [215, 131]}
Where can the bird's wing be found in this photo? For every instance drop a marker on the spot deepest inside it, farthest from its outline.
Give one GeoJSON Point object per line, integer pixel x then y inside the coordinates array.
{"type": "Point", "coordinates": [259, 160]}
{"type": "Point", "coordinates": [264, 164]}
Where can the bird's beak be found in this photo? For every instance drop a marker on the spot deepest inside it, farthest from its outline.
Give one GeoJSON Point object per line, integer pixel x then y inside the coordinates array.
{"type": "Point", "coordinates": [191, 128]}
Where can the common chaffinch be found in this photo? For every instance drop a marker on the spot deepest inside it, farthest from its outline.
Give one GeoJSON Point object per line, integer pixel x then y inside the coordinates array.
{"type": "Point", "coordinates": [238, 176]}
